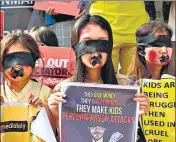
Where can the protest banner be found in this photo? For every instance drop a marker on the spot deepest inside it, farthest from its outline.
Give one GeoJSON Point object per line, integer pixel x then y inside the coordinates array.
{"type": "Point", "coordinates": [159, 124]}
{"type": "Point", "coordinates": [21, 122]}
{"type": "Point", "coordinates": [1, 23]}
{"type": "Point", "coordinates": [92, 112]}
{"type": "Point", "coordinates": [58, 65]}
{"type": "Point", "coordinates": [62, 7]}
{"type": "Point", "coordinates": [17, 11]}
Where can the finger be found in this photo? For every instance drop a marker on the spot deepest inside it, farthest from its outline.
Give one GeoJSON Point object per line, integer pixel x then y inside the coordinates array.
{"type": "Point", "coordinates": [140, 99]}
{"type": "Point", "coordinates": [142, 107]}
{"type": "Point", "coordinates": [140, 95]}
{"type": "Point", "coordinates": [59, 94]}
{"type": "Point", "coordinates": [30, 96]}
{"type": "Point", "coordinates": [144, 103]}
{"type": "Point", "coordinates": [53, 103]}
{"type": "Point", "coordinates": [57, 99]}
{"type": "Point", "coordinates": [47, 11]}
{"type": "Point", "coordinates": [52, 11]}
{"type": "Point", "coordinates": [1, 100]}
{"type": "Point", "coordinates": [35, 99]}
{"type": "Point", "coordinates": [38, 102]}
{"type": "Point", "coordinates": [30, 101]}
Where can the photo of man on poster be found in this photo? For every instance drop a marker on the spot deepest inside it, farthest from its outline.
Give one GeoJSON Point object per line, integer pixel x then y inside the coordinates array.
{"type": "Point", "coordinates": [97, 133]}
{"type": "Point", "coordinates": [100, 133]}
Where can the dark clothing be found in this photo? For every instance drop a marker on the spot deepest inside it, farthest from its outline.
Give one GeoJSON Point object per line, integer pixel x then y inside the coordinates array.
{"type": "Point", "coordinates": [62, 17]}
{"type": "Point", "coordinates": [140, 134]}
{"type": "Point", "coordinates": [166, 10]}
{"type": "Point", "coordinates": [150, 8]}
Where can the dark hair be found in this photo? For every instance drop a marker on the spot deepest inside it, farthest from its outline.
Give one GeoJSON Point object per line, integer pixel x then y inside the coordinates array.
{"type": "Point", "coordinates": [138, 66]}
{"type": "Point", "coordinates": [44, 35]}
{"type": "Point", "coordinates": [153, 28]}
{"type": "Point", "coordinates": [107, 71]}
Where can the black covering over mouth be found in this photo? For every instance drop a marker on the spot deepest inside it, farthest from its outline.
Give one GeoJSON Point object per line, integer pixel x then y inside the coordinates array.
{"type": "Point", "coordinates": [17, 72]}
{"type": "Point", "coordinates": [164, 58]}
{"type": "Point", "coordinates": [96, 59]}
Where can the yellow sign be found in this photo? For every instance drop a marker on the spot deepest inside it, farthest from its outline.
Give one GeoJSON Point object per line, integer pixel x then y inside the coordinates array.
{"type": "Point", "coordinates": [159, 124]}
{"type": "Point", "coordinates": [16, 121]}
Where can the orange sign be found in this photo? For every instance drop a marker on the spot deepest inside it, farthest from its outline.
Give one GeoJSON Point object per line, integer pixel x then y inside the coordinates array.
{"type": "Point", "coordinates": [58, 65]}
{"type": "Point", "coordinates": [1, 23]}
{"type": "Point", "coordinates": [64, 7]}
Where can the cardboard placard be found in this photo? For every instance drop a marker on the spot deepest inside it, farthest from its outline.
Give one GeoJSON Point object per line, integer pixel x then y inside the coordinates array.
{"type": "Point", "coordinates": [64, 7]}
{"type": "Point", "coordinates": [58, 65]}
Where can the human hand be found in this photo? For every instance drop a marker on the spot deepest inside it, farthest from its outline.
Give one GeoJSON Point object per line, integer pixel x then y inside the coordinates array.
{"type": "Point", "coordinates": [50, 11]}
{"type": "Point", "coordinates": [34, 100]}
{"type": "Point", "coordinates": [53, 103]}
{"type": "Point", "coordinates": [1, 100]}
{"type": "Point", "coordinates": [144, 103]}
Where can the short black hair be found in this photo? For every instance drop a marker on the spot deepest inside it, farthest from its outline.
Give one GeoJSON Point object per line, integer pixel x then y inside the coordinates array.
{"type": "Point", "coordinates": [45, 35]}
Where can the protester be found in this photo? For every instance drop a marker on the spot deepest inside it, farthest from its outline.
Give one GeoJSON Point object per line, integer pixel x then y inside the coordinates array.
{"type": "Point", "coordinates": [124, 17]}
{"type": "Point", "coordinates": [44, 36]}
{"type": "Point", "coordinates": [94, 62]}
{"type": "Point", "coordinates": [153, 51]}
{"type": "Point", "coordinates": [19, 53]}
{"type": "Point", "coordinates": [153, 54]}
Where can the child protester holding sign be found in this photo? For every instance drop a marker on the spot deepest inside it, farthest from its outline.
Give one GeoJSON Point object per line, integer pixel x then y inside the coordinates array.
{"type": "Point", "coordinates": [19, 52]}
{"type": "Point", "coordinates": [92, 42]}
{"type": "Point", "coordinates": [154, 51]}
{"type": "Point", "coordinates": [153, 54]}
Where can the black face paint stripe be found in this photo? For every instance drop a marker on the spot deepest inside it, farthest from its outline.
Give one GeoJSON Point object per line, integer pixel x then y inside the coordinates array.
{"type": "Point", "coordinates": [18, 58]}
{"type": "Point", "coordinates": [92, 46]}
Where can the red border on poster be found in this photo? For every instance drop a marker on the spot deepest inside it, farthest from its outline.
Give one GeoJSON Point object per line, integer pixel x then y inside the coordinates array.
{"type": "Point", "coordinates": [59, 63]}
{"type": "Point", "coordinates": [1, 23]}
{"type": "Point", "coordinates": [65, 7]}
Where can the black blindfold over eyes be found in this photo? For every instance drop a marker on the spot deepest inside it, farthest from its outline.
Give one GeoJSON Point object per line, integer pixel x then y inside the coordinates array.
{"type": "Point", "coordinates": [18, 58]}
{"type": "Point", "coordinates": [153, 41]}
{"type": "Point", "coordinates": [92, 46]}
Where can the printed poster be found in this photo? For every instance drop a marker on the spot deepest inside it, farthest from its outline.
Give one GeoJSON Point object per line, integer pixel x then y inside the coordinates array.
{"type": "Point", "coordinates": [159, 124]}
{"type": "Point", "coordinates": [58, 65]}
{"type": "Point", "coordinates": [99, 113]}
{"type": "Point", "coordinates": [21, 122]}
{"type": "Point", "coordinates": [16, 120]}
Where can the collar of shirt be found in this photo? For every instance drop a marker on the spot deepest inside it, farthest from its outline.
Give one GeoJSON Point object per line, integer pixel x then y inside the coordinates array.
{"type": "Point", "coordinates": [21, 95]}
